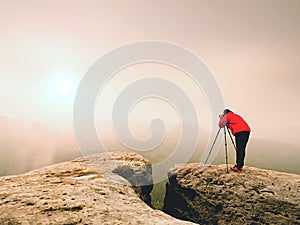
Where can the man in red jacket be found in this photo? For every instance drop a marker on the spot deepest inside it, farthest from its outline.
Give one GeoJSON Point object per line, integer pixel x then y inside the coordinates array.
{"type": "Point", "coordinates": [241, 130]}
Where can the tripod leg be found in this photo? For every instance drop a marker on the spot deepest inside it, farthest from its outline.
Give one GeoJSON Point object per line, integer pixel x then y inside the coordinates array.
{"type": "Point", "coordinates": [226, 155]}
{"type": "Point", "coordinates": [231, 138]}
{"type": "Point", "coordinates": [212, 147]}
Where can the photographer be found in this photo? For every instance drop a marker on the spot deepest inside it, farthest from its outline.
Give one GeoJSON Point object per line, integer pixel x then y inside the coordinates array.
{"type": "Point", "coordinates": [241, 130]}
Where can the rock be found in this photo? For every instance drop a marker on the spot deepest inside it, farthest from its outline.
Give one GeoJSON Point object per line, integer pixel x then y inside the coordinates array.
{"type": "Point", "coordinates": [254, 196]}
{"type": "Point", "coordinates": [138, 174]}
{"type": "Point", "coordinates": [83, 191]}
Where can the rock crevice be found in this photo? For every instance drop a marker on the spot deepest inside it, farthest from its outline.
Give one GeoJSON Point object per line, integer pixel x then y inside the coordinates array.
{"type": "Point", "coordinates": [82, 191]}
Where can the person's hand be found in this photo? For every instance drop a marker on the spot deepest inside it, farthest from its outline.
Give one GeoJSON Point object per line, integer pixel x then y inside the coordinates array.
{"type": "Point", "coordinates": [221, 116]}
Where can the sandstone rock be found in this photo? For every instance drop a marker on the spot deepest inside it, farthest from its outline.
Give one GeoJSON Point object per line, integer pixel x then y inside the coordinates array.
{"type": "Point", "coordinates": [254, 196]}
{"type": "Point", "coordinates": [83, 191]}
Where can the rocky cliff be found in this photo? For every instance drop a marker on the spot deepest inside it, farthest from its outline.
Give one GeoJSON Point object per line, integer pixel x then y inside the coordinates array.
{"type": "Point", "coordinates": [83, 191]}
{"type": "Point", "coordinates": [214, 197]}
{"type": "Point", "coordinates": [93, 190]}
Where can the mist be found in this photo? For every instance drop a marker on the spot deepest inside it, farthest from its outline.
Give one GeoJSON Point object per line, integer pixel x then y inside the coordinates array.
{"type": "Point", "coordinates": [27, 146]}
{"type": "Point", "coordinates": [252, 49]}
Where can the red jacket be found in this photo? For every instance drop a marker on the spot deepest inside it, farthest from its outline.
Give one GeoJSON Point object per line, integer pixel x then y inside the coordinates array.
{"type": "Point", "coordinates": [234, 122]}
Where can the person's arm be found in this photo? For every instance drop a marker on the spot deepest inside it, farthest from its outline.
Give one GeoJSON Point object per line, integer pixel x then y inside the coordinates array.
{"type": "Point", "coordinates": [223, 121]}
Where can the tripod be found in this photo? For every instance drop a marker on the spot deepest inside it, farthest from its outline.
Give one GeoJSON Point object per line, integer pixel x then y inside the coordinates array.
{"type": "Point", "coordinates": [226, 153]}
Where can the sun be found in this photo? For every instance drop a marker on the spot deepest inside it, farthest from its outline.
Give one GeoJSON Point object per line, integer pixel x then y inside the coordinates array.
{"type": "Point", "coordinates": [63, 87]}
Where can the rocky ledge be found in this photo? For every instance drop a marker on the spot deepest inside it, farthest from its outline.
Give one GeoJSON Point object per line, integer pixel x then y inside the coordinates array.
{"type": "Point", "coordinates": [254, 196]}
{"type": "Point", "coordinates": [83, 191]}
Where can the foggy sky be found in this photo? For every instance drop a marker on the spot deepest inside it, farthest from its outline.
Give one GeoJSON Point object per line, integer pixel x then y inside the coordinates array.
{"type": "Point", "coordinates": [251, 47]}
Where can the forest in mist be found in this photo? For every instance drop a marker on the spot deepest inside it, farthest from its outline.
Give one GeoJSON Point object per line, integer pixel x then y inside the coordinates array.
{"type": "Point", "coordinates": [28, 146]}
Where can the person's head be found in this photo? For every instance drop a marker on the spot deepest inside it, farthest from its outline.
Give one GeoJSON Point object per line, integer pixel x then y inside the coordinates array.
{"type": "Point", "coordinates": [226, 111]}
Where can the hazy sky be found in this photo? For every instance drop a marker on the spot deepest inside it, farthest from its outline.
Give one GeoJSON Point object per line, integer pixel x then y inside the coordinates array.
{"type": "Point", "coordinates": [252, 48]}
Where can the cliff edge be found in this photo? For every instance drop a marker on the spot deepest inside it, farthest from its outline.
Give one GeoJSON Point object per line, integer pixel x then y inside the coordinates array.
{"type": "Point", "coordinates": [212, 196]}
{"type": "Point", "coordinates": [83, 191]}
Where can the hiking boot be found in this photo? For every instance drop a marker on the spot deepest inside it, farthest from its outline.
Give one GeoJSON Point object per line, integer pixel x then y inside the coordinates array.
{"type": "Point", "coordinates": [235, 169]}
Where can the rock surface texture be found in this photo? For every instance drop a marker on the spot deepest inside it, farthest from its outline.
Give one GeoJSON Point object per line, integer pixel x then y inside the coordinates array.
{"type": "Point", "coordinates": [254, 196]}
{"type": "Point", "coordinates": [83, 191]}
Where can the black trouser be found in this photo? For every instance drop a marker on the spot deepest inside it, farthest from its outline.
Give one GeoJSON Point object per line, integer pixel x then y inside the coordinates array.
{"type": "Point", "coordinates": [241, 140]}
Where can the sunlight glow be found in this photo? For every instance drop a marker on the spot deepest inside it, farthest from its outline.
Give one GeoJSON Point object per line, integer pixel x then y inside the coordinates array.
{"type": "Point", "coordinates": [61, 90]}
{"type": "Point", "coordinates": [63, 87]}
